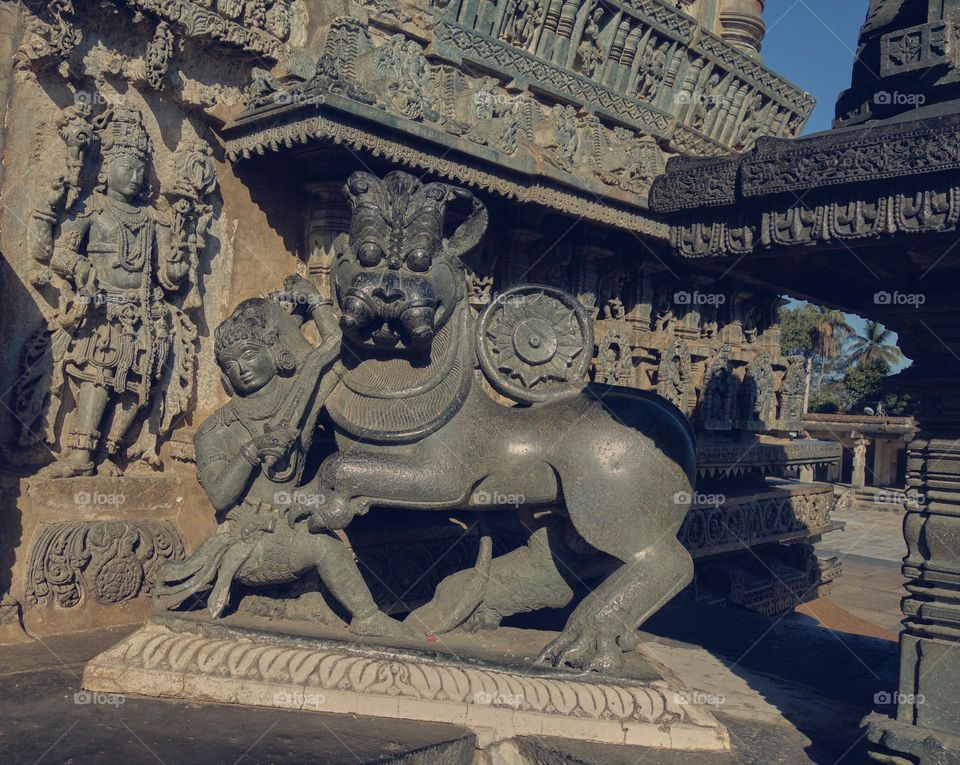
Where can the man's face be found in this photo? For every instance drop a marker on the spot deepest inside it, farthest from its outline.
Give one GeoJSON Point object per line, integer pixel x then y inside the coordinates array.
{"type": "Point", "coordinates": [249, 366]}
{"type": "Point", "coordinates": [125, 175]}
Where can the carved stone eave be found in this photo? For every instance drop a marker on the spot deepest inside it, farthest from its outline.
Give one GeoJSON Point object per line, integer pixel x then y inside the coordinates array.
{"type": "Point", "coordinates": [719, 459]}
{"type": "Point", "coordinates": [339, 120]}
{"type": "Point", "coordinates": [879, 185]}
{"type": "Point", "coordinates": [840, 157]}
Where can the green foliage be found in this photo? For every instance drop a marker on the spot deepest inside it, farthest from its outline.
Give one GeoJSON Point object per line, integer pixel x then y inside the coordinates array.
{"type": "Point", "coordinates": [798, 329]}
{"type": "Point", "coordinates": [825, 403]}
{"type": "Point", "coordinates": [863, 385]}
{"type": "Point", "coordinates": [875, 344]}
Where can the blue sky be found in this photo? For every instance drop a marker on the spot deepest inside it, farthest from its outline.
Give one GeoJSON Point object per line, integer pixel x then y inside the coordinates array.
{"type": "Point", "coordinates": [813, 43]}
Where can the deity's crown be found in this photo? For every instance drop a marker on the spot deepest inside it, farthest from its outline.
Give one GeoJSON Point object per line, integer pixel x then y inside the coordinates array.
{"type": "Point", "coordinates": [122, 132]}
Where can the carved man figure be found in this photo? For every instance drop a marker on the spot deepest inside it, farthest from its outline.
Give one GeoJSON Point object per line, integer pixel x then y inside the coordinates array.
{"type": "Point", "coordinates": [124, 336]}
{"type": "Point", "coordinates": [250, 460]}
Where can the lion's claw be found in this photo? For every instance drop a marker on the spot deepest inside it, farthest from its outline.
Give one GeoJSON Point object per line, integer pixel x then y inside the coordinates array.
{"type": "Point", "coordinates": [585, 649]}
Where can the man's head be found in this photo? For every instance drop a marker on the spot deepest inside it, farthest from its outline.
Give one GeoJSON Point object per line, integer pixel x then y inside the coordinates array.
{"type": "Point", "coordinates": [124, 175]}
{"type": "Point", "coordinates": [248, 347]}
{"type": "Point", "coordinates": [125, 146]}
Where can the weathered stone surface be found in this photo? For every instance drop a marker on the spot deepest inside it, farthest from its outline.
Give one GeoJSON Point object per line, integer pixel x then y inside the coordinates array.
{"type": "Point", "coordinates": [193, 660]}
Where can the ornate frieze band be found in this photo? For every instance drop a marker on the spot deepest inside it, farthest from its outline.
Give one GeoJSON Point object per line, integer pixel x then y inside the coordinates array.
{"type": "Point", "coordinates": [323, 676]}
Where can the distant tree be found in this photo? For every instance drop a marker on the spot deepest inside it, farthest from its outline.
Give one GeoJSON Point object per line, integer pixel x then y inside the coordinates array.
{"type": "Point", "coordinates": [874, 344]}
{"type": "Point", "coordinates": [798, 330]}
{"type": "Point", "coordinates": [825, 403]}
{"type": "Point", "coordinates": [832, 329]}
{"type": "Point", "coordinates": [863, 385]}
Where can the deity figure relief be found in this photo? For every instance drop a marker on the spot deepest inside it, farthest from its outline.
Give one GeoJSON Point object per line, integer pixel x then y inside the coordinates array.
{"type": "Point", "coordinates": [250, 460]}
{"type": "Point", "coordinates": [720, 389]}
{"type": "Point", "coordinates": [121, 346]}
{"type": "Point", "coordinates": [589, 52]}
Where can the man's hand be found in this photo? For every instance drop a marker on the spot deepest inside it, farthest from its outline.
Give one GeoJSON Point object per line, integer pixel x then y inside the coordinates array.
{"type": "Point", "coordinates": [274, 447]}
{"type": "Point", "coordinates": [302, 294]}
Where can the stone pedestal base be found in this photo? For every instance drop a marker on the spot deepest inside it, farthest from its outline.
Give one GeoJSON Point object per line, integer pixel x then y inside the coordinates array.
{"type": "Point", "coordinates": [498, 699]}
{"type": "Point", "coordinates": [898, 743]}
{"type": "Point", "coordinates": [84, 551]}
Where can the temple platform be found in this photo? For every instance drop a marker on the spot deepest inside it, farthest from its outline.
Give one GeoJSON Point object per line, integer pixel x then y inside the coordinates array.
{"type": "Point", "coordinates": [787, 691]}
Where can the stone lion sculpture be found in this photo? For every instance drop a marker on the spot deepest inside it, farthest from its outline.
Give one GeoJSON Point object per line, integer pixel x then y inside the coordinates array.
{"type": "Point", "coordinates": [402, 376]}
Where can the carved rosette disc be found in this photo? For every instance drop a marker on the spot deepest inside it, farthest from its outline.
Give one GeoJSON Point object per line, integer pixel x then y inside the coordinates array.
{"type": "Point", "coordinates": [535, 343]}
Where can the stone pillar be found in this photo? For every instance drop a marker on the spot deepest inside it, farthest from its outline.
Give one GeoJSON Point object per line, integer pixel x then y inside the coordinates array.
{"type": "Point", "coordinates": [806, 473]}
{"type": "Point", "coordinates": [860, 445]}
{"type": "Point", "coordinates": [881, 463]}
{"type": "Point", "coordinates": [741, 24]}
{"type": "Point", "coordinates": [926, 728]}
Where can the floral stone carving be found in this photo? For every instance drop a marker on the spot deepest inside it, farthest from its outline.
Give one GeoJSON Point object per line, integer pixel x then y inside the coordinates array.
{"type": "Point", "coordinates": [108, 562]}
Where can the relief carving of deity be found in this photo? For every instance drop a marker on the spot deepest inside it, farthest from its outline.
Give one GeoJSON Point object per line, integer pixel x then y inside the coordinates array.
{"type": "Point", "coordinates": [120, 347]}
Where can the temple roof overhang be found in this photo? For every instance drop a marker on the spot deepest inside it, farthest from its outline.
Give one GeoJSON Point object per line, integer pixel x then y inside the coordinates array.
{"type": "Point", "coordinates": [576, 111]}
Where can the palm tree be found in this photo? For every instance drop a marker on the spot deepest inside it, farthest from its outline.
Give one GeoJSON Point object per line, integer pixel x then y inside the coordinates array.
{"type": "Point", "coordinates": [875, 344]}
{"type": "Point", "coordinates": [830, 329]}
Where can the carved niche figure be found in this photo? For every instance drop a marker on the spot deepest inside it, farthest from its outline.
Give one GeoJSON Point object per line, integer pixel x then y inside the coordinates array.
{"type": "Point", "coordinates": [415, 428]}
{"type": "Point", "coordinates": [250, 460]}
{"type": "Point", "coordinates": [673, 374]}
{"type": "Point", "coordinates": [758, 392]}
{"type": "Point", "coordinates": [792, 391]}
{"type": "Point", "coordinates": [614, 358]}
{"type": "Point", "coordinates": [590, 52]}
{"type": "Point", "coordinates": [404, 79]}
{"type": "Point", "coordinates": [653, 69]}
{"type": "Point", "coordinates": [118, 343]}
{"type": "Point", "coordinates": [519, 21]}
{"type": "Point", "coordinates": [720, 389]}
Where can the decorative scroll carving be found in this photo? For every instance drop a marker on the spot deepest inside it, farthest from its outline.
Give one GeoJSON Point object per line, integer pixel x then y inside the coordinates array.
{"type": "Point", "coordinates": [741, 523]}
{"type": "Point", "coordinates": [108, 562]}
{"type": "Point", "coordinates": [313, 668]}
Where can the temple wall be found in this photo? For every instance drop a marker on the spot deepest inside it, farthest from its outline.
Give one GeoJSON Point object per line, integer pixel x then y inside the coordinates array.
{"type": "Point", "coordinates": [256, 200]}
